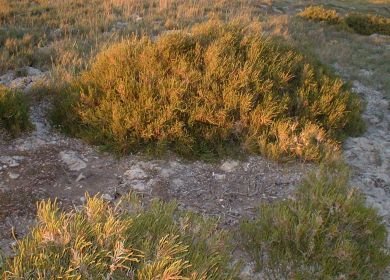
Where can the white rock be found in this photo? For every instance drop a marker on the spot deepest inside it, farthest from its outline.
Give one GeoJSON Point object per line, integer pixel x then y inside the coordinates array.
{"type": "Point", "coordinates": [31, 71]}
{"type": "Point", "coordinates": [107, 197]}
{"type": "Point", "coordinates": [80, 177]}
{"type": "Point", "coordinates": [229, 165]}
{"type": "Point", "coordinates": [72, 160]}
{"type": "Point", "coordinates": [135, 173]}
{"type": "Point", "coordinates": [139, 186]}
{"type": "Point", "coordinates": [10, 161]}
{"type": "Point", "coordinates": [13, 176]}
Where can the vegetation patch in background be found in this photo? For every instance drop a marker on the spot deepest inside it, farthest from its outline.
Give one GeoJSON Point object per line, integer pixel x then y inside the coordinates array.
{"type": "Point", "coordinates": [127, 241]}
{"type": "Point", "coordinates": [14, 111]}
{"type": "Point", "coordinates": [365, 24]}
{"type": "Point", "coordinates": [206, 90]}
{"type": "Point", "coordinates": [325, 232]}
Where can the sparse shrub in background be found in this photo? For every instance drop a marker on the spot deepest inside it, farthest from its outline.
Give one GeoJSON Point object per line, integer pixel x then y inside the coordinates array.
{"type": "Point", "coordinates": [364, 24]}
{"type": "Point", "coordinates": [14, 109]}
{"type": "Point", "coordinates": [127, 241]}
{"type": "Point", "coordinates": [326, 232]}
{"type": "Point", "coordinates": [199, 92]}
{"type": "Point", "coordinates": [319, 13]}
{"type": "Point", "coordinates": [368, 24]}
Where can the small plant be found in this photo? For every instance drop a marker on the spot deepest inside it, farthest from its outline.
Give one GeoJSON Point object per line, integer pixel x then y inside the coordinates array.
{"type": "Point", "coordinates": [127, 241]}
{"type": "Point", "coordinates": [208, 90]}
{"type": "Point", "coordinates": [319, 13]}
{"type": "Point", "coordinates": [364, 24]}
{"type": "Point", "coordinates": [368, 24]}
{"type": "Point", "coordinates": [325, 232]}
{"type": "Point", "coordinates": [14, 116]}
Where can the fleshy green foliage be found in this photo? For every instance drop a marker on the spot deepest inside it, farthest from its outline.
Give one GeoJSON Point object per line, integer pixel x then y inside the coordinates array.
{"type": "Point", "coordinates": [319, 13]}
{"type": "Point", "coordinates": [326, 232]}
{"type": "Point", "coordinates": [368, 24]}
{"type": "Point", "coordinates": [199, 92]}
{"type": "Point", "coordinates": [365, 24]}
{"type": "Point", "coordinates": [122, 242]}
{"type": "Point", "coordinates": [13, 111]}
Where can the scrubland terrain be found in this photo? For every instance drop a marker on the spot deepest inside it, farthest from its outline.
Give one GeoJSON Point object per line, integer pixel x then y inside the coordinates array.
{"type": "Point", "coordinates": [222, 139]}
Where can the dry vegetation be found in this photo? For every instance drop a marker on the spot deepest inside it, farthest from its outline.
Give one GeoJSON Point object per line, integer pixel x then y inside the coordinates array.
{"type": "Point", "coordinates": [128, 80]}
{"type": "Point", "coordinates": [213, 86]}
{"type": "Point", "coordinates": [14, 112]}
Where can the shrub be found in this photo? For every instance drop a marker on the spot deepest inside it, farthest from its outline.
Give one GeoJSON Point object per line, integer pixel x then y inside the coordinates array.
{"type": "Point", "coordinates": [326, 232]}
{"type": "Point", "coordinates": [368, 24]}
{"type": "Point", "coordinates": [205, 91]}
{"type": "Point", "coordinates": [127, 241]}
{"type": "Point", "coordinates": [319, 13]}
{"type": "Point", "coordinates": [14, 109]}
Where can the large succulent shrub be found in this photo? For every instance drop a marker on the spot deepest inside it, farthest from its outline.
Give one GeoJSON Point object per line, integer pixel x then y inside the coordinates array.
{"type": "Point", "coordinates": [208, 90]}
{"type": "Point", "coordinates": [127, 241]}
{"type": "Point", "coordinates": [325, 232]}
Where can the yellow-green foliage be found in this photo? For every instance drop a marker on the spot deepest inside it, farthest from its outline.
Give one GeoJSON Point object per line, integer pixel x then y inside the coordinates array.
{"type": "Point", "coordinates": [365, 24]}
{"type": "Point", "coordinates": [368, 24]}
{"type": "Point", "coordinates": [122, 242]}
{"type": "Point", "coordinates": [319, 13]}
{"type": "Point", "coordinates": [326, 232]}
{"type": "Point", "coordinates": [197, 92]}
{"type": "Point", "coordinates": [13, 111]}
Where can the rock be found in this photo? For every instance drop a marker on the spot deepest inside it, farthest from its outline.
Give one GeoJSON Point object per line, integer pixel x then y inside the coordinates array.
{"type": "Point", "coordinates": [229, 165]}
{"type": "Point", "coordinates": [20, 83]}
{"type": "Point", "coordinates": [135, 173]}
{"type": "Point", "coordinates": [31, 71]}
{"type": "Point", "coordinates": [72, 160]}
{"type": "Point", "coordinates": [80, 177]}
{"type": "Point", "coordinates": [13, 176]}
{"type": "Point", "coordinates": [11, 161]}
{"type": "Point", "coordinates": [83, 199]}
{"type": "Point", "coordinates": [7, 78]}
{"type": "Point", "coordinates": [139, 186]}
{"type": "Point", "coordinates": [107, 197]}
{"type": "Point", "coordinates": [219, 177]}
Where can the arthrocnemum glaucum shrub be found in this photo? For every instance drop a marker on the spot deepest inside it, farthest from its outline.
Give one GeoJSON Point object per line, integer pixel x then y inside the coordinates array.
{"type": "Point", "coordinates": [127, 241]}
{"type": "Point", "coordinates": [205, 90]}
{"type": "Point", "coordinates": [367, 24]}
{"type": "Point", "coordinates": [14, 116]}
{"type": "Point", "coordinates": [319, 13]}
{"type": "Point", "coordinates": [325, 232]}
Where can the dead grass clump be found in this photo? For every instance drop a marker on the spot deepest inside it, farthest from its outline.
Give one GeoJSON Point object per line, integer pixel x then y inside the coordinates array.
{"type": "Point", "coordinates": [208, 90]}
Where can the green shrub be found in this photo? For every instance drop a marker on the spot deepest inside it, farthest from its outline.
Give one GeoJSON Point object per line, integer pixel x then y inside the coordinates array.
{"type": "Point", "coordinates": [205, 91]}
{"type": "Point", "coordinates": [14, 109]}
{"type": "Point", "coordinates": [127, 241]}
{"type": "Point", "coordinates": [319, 13]}
{"type": "Point", "coordinates": [368, 24]}
{"type": "Point", "coordinates": [326, 232]}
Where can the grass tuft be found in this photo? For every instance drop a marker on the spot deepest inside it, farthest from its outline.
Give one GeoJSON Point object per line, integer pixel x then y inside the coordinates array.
{"type": "Point", "coordinates": [127, 241]}
{"type": "Point", "coordinates": [14, 112]}
{"type": "Point", "coordinates": [208, 90]}
{"type": "Point", "coordinates": [325, 232]}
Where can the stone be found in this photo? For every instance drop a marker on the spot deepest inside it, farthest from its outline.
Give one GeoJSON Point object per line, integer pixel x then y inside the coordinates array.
{"type": "Point", "coordinates": [13, 176]}
{"type": "Point", "coordinates": [107, 197]}
{"type": "Point", "coordinates": [135, 173]}
{"type": "Point", "coordinates": [229, 165]}
{"type": "Point", "coordinates": [80, 177]}
{"type": "Point", "coordinates": [72, 160]}
{"type": "Point", "coordinates": [10, 161]}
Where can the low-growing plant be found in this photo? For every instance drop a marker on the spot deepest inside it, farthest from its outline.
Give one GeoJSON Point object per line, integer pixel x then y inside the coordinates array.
{"type": "Point", "coordinates": [125, 241]}
{"type": "Point", "coordinates": [206, 90]}
{"type": "Point", "coordinates": [365, 24]}
{"type": "Point", "coordinates": [14, 111]}
{"type": "Point", "coordinates": [319, 13]}
{"type": "Point", "coordinates": [325, 232]}
{"type": "Point", "coordinates": [368, 24]}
